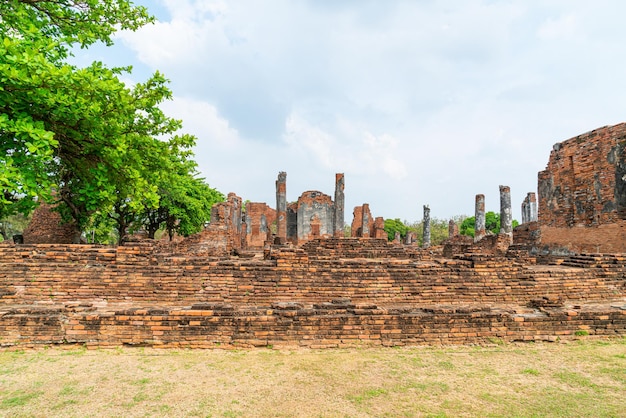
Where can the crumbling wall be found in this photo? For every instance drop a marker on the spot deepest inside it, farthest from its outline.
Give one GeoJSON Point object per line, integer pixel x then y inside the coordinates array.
{"type": "Point", "coordinates": [104, 296]}
{"type": "Point", "coordinates": [259, 219]}
{"type": "Point", "coordinates": [224, 234]}
{"type": "Point", "coordinates": [582, 193]}
{"type": "Point", "coordinates": [364, 225]}
{"type": "Point", "coordinates": [527, 234]}
{"type": "Point", "coordinates": [316, 214]}
{"type": "Point", "coordinates": [584, 182]}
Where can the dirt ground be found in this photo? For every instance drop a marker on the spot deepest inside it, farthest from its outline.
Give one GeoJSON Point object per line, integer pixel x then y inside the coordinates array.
{"type": "Point", "coordinates": [581, 378]}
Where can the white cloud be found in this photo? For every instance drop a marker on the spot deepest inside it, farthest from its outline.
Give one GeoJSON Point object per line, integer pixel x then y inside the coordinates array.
{"type": "Point", "coordinates": [349, 148]}
{"type": "Point", "coordinates": [563, 28]}
{"type": "Point", "coordinates": [204, 121]}
{"type": "Point", "coordinates": [417, 102]}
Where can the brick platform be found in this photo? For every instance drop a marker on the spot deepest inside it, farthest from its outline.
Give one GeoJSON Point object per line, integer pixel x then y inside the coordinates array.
{"type": "Point", "coordinates": [323, 295]}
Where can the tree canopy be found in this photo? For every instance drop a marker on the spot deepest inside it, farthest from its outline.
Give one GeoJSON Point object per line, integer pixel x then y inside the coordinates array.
{"type": "Point", "coordinates": [81, 132]}
{"type": "Point", "coordinates": [492, 224]}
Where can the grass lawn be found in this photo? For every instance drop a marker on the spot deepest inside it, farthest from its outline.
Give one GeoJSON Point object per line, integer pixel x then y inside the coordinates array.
{"type": "Point", "coordinates": [577, 379]}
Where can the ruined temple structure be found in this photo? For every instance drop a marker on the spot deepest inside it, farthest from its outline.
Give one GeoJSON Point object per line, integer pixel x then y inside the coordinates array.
{"type": "Point", "coordinates": [287, 277]}
{"type": "Point", "coordinates": [364, 225]}
{"type": "Point", "coordinates": [314, 215]}
{"type": "Point", "coordinates": [582, 194]}
{"type": "Point", "coordinates": [46, 227]}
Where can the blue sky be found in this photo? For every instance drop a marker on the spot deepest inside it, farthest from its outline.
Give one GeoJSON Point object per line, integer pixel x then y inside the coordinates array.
{"type": "Point", "coordinates": [417, 102]}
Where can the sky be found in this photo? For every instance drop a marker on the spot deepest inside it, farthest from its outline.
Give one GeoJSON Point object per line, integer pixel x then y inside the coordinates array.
{"type": "Point", "coordinates": [417, 102]}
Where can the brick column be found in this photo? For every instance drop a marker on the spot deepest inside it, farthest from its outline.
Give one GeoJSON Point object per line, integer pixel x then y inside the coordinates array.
{"type": "Point", "coordinates": [281, 207]}
{"type": "Point", "coordinates": [479, 216]}
{"type": "Point", "coordinates": [366, 221]}
{"type": "Point", "coordinates": [426, 235]}
{"type": "Point", "coordinates": [338, 220]}
{"type": "Point", "coordinates": [506, 214]}
{"type": "Point", "coordinates": [453, 229]}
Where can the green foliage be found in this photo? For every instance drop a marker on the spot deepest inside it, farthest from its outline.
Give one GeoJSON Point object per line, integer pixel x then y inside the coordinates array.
{"type": "Point", "coordinates": [492, 224]}
{"type": "Point", "coordinates": [13, 225]}
{"type": "Point", "coordinates": [81, 131]}
{"type": "Point", "coordinates": [185, 199]}
{"type": "Point", "coordinates": [395, 225]}
{"type": "Point", "coordinates": [438, 230]}
{"type": "Point", "coordinates": [81, 22]}
{"type": "Point", "coordinates": [467, 226]}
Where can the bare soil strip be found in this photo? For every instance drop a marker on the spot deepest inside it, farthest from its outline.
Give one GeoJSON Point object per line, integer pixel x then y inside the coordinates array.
{"type": "Point", "coordinates": [582, 378]}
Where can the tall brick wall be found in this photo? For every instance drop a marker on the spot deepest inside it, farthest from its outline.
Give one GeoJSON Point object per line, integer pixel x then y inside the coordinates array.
{"type": "Point", "coordinates": [583, 183]}
{"type": "Point", "coordinates": [582, 193]}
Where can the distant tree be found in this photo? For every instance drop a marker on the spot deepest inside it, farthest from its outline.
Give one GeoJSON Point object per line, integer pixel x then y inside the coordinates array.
{"type": "Point", "coordinates": [13, 225]}
{"type": "Point", "coordinates": [492, 224]}
{"type": "Point", "coordinates": [395, 225]}
{"type": "Point", "coordinates": [438, 230]}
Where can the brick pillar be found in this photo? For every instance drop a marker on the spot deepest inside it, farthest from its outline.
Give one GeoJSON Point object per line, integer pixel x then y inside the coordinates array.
{"type": "Point", "coordinates": [426, 236]}
{"type": "Point", "coordinates": [338, 220]}
{"type": "Point", "coordinates": [366, 221]}
{"type": "Point", "coordinates": [506, 214]}
{"type": "Point", "coordinates": [281, 207]}
{"type": "Point", "coordinates": [453, 229]}
{"type": "Point", "coordinates": [532, 198]}
{"type": "Point", "coordinates": [479, 225]}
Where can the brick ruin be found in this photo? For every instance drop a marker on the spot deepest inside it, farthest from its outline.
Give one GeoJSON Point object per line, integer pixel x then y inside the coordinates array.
{"type": "Point", "coordinates": [582, 194]}
{"type": "Point", "coordinates": [46, 227]}
{"type": "Point", "coordinates": [258, 276]}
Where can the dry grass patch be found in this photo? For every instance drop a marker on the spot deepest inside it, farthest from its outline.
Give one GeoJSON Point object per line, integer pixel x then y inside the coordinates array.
{"type": "Point", "coordinates": [577, 379]}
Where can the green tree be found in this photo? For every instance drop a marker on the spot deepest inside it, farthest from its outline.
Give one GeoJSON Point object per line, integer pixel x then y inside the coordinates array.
{"type": "Point", "coordinates": [35, 37]}
{"type": "Point", "coordinates": [80, 131]}
{"type": "Point", "coordinates": [438, 230]}
{"type": "Point", "coordinates": [395, 225]}
{"type": "Point", "coordinates": [70, 22]}
{"type": "Point", "coordinates": [13, 225]}
{"type": "Point", "coordinates": [185, 200]}
{"type": "Point", "coordinates": [492, 224]}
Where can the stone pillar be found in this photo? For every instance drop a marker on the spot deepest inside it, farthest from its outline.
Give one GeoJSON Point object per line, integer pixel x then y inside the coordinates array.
{"type": "Point", "coordinates": [479, 216]}
{"type": "Point", "coordinates": [339, 205]}
{"type": "Point", "coordinates": [506, 214]}
{"type": "Point", "coordinates": [525, 209]}
{"type": "Point", "coordinates": [281, 207]}
{"type": "Point", "coordinates": [532, 198]}
{"type": "Point", "coordinates": [453, 229]}
{"type": "Point", "coordinates": [426, 236]}
{"type": "Point", "coordinates": [366, 221]}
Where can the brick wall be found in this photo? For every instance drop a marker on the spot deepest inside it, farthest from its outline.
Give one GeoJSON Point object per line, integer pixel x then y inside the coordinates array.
{"type": "Point", "coordinates": [582, 193]}
{"type": "Point", "coordinates": [319, 295]}
{"type": "Point", "coordinates": [315, 216]}
{"type": "Point", "coordinates": [607, 238]}
{"type": "Point", "coordinates": [583, 181]}
{"type": "Point", "coordinates": [259, 220]}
